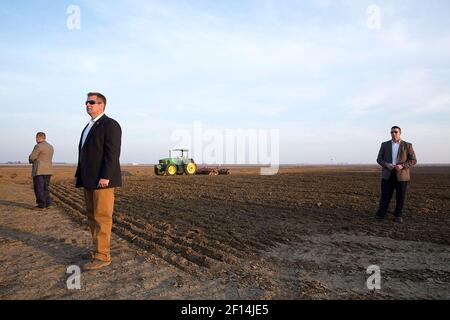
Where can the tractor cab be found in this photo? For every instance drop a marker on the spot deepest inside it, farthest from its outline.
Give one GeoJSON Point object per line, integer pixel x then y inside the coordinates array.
{"type": "Point", "coordinates": [184, 153]}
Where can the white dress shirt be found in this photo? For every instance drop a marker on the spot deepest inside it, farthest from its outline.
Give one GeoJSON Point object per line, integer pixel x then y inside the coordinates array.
{"type": "Point", "coordinates": [88, 128]}
{"type": "Point", "coordinates": [395, 146]}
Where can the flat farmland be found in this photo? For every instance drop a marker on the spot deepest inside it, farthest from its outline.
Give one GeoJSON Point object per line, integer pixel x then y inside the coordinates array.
{"type": "Point", "coordinates": [305, 233]}
{"type": "Point", "coordinates": [268, 231]}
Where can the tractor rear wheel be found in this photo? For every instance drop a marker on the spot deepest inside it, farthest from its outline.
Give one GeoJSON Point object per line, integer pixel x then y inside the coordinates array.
{"type": "Point", "coordinates": [190, 168]}
{"type": "Point", "coordinates": [171, 170]}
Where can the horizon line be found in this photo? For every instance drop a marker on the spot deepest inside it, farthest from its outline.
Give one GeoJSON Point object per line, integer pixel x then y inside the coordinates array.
{"type": "Point", "coordinates": [18, 164]}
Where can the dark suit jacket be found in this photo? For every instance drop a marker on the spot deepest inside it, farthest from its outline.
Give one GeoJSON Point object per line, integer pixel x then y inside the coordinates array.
{"type": "Point", "coordinates": [405, 157]}
{"type": "Point", "coordinates": [99, 157]}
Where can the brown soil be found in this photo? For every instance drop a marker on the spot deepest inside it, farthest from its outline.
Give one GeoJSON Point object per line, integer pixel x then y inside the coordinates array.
{"type": "Point", "coordinates": [306, 233]}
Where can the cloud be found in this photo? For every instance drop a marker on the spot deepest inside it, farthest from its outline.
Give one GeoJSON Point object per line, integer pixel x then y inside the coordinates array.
{"type": "Point", "coordinates": [166, 64]}
{"type": "Point", "coordinates": [415, 92]}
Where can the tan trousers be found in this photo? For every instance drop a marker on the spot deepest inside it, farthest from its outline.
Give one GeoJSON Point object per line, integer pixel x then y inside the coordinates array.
{"type": "Point", "coordinates": [99, 211]}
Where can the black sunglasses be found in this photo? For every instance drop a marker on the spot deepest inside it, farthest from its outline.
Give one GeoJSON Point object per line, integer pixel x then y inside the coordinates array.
{"type": "Point", "coordinates": [91, 102]}
{"type": "Point", "coordinates": [394, 131]}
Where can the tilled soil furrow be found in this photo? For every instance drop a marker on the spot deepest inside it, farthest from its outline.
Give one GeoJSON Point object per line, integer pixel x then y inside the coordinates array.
{"type": "Point", "coordinates": [218, 238]}
{"type": "Point", "coordinates": [124, 230]}
{"type": "Point", "coordinates": [214, 242]}
{"type": "Point", "coordinates": [165, 242]}
{"type": "Point", "coordinates": [197, 254]}
{"type": "Point", "coordinates": [156, 233]}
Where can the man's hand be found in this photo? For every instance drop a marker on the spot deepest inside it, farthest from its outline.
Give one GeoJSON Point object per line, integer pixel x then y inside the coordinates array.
{"type": "Point", "coordinates": [103, 183]}
{"type": "Point", "coordinates": [398, 167]}
{"type": "Point", "coordinates": [390, 166]}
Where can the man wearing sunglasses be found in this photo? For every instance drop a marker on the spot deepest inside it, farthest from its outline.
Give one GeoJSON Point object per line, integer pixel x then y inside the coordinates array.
{"type": "Point", "coordinates": [98, 172]}
{"type": "Point", "coordinates": [395, 157]}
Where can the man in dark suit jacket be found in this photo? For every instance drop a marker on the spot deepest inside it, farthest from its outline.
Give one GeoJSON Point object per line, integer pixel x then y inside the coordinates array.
{"type": "Point", "coordinates": [98, 172]}
{"type": "Point", "coordinates": [395, 157]}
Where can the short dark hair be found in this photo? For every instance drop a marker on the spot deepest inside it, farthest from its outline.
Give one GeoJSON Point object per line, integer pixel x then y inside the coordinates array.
{"type": "Point", "coordinates": [395, 127]}
{"type": "Point", "coordinates": [99, 95]}
{"type": "Point", "coordinates": [40, 135]}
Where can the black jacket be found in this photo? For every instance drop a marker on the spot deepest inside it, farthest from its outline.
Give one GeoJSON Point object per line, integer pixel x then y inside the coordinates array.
{"type": "Point", "coordinates": [99, 157]}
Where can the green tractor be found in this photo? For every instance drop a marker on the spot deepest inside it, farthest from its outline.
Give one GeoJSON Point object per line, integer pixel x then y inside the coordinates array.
{"type": "Point", "coordinates": [176, 165]}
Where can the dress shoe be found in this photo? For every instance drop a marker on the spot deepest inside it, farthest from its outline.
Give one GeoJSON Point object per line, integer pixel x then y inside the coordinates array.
{"type": "Point", "coordinates": [398, 219]}
{"type": "Point", "coordinates": [378, 217]}
{"type": "Point", "coordinates": [38, 208]}
{"type": "Point", "coordinates": [88, 256]}
{"type": "Point", "coordinates": [96, 264]}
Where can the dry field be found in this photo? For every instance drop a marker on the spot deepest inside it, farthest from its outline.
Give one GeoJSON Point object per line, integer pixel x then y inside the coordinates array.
{"type": "Point", "coordinates": [305, 233]}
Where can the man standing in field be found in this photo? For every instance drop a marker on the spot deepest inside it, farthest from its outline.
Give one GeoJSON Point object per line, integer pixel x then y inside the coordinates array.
{"type": "Point", "coordinates": [98, 172]}
{"type": "Point", "coordinates": [395, 157]}
{"type": "Point", "coordinates": [41, 160]}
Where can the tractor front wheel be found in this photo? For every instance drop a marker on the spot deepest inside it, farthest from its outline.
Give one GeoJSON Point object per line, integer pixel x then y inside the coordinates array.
{"type": "Point", "coordinates": [158, 171]}
{"type": "Point", "coordinates": [171, 170]}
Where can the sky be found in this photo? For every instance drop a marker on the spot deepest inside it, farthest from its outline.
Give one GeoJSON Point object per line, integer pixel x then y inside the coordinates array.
{"type": "Point", "coordinates": [330, 77]}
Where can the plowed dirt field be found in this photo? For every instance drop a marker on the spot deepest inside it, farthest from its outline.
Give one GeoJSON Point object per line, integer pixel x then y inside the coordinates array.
{"type": "Point", "coordinates": [307, 232]}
